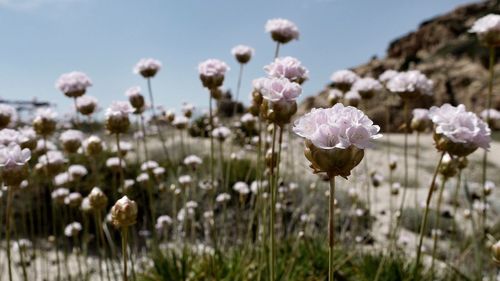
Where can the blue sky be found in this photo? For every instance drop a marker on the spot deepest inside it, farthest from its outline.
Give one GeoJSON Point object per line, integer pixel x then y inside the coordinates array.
{"type": "Point", "coordinates": [105, 38]}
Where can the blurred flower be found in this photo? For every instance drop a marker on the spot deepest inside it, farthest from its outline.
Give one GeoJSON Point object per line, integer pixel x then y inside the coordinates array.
{"type": "Point", "coordinates": [487, 29]}
{"type": "Point", "coordinates": [242, 53]}
{"type": "Point", "coordinates": [124, 212]}
{"type": "Point", "coordinates": [27, 138]}
{"type": "Point", "coordinates": [420, 120]}
{"type": "Point", "coordinates": [192, 161]}
{"type": "Point", "coordinates": [187, 109]}
{"type": "Point", "coordinates": [93, 145]}
{"type": "Point", "coordinates": [334, 96]}
{"type": "Point", "coordinates": [117, 120]}
{"type": "Point", "coordinates": [280, 90]}
{"type": "Point", "coordinates": [8, 115]}
{"type": "Point", "coordinates": [458, 131]}
{"type": "Point", "coordinates": [97, 199]}
{"type": "Point", "coordinates": [410, 84]}
{"type": "Point", "coordinates": [367, 87]}
{"type": "Point", "coordinates": [136, 99]}
{"type": "Point", "coordinates": [114, 163]}
{"type": "Point", "coordinates": [282, 30]}
{"type": "Point", "coordinates": [71, 140]}
{"type": "Point", "coordinates": [344, 79]}
{"type": "Point", "coordinates": [72, 229]}
{"type": "Point", "coordinates": [241, 187]}
{"type": "Point", "coordinates": [12, 162]}
{"type": "Point", "coordinates": [221, 133]}
{"type": "Point", "coordinates": [180, 122]}
{"type": "Point", "coordinates": [74, 199]}
{"type": "Point", "coordinates": [149, 165]}
{"type": "Point", "coordinates": [142, 178]}
{"type": "Point", "coordinates": [147, 67]}
{"type": "Point", "coordinates": [8, 136]}
{"type": "Point", "coordinates": [73, 84]}
{"type": "Point", "coordinates": [223, 197]}
{"type": "Point", "coordinates": [44, 122]}
{"type": "Point", "coordinates": [352, 98]}
{"type": "Point", "coordinates": [287, 67]}
{"type": "Point", "coordinates": [212, 73]}
{"type": "Point", "coordinates": [59, 195]}
{"type": "Point", "coordinates": [387, 75]}
{"type": "Point", "coordinates": [86, 105]}
{"type": "Point", "coordinates": [162, 222]}
{"type": "Point", "coordinates": [185, 180]}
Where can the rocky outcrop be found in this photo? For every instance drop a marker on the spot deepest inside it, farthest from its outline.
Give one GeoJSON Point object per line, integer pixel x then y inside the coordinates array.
{"type": "Point", "coordinates": [441, 48]}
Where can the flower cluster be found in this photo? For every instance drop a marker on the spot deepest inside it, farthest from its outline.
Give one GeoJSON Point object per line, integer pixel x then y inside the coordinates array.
{"type": "Point", "coordinates": [287, 67]}
{"type": "Point", "coordinates": [487, 29]}
{"type": "Point", "coordinates": [73, 84]}
{"type": "Point", "coordinates": [410, 84]}
{"type": "Point", "coordinates": [212, 73]}
{"type": "Point", "coordinates": [367, 87]}
{"type": "Point", "coordinates": [147, 67]}
{"type": "Point", "coordinates": [86, 105]}
{"type": "Point", "coordinates": [282, 30]}
{"type": "Point", "coordinates": [242, 53]}
{"type": "Point", "coordinates": [458, 131]}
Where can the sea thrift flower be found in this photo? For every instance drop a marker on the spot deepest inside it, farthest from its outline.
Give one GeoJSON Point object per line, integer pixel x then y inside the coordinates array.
{"type": "Point", "coordinates": [185, 180]}
{"type": "Point", "coordinates": [334, 96]}
{"type": "Point", "coordinates": [13, 161]}
{"type": "Point", "coordinates": [149, 165]}
{"type": "Point", "coordinates": [221, 133]}
{"type": "Point", "coordinates": [387, 75]}
{"type": "Point", "coordinates": [212, 73]}
{"type": "Point", "coordinates": [73, 84]}
{"type": "Point", "coordinates": [124, 212]}
{"type": "Point", "coordinates": [114, 164]}
{"type": "Point", "coordinates": [45, 121]}
{"type": "Point", "coordinates": [187, 109]}
{"type": "Point", "coordinates": [241, 187]}
{"type": "Point", "coordinates": [336, 138]}
{"type": "Point", "coordinates": [125, 147]}
{"type": "Point", "coordinates": [97, 199]}
{"type": "Point", "coordinates": [59, 195]}
{"type": "Point", "coordinates": [71, 140]}
{"type": "Point", "coordinates": [74, 199]}
{"type": "Point", "coordinates": [282, 30]}
{"type": "Point", "coordinates": [367, 87]}
{"type": "Point", "coordinates": [352, 98]}
{"type": "Point", "coordinates": [420, 120]}
{"type": "Point", "coordinates": [287, 67]}
{"type": "Point", "coordinates": [72, 229]}
{"type": "Point", "coordinates": [8, 136]}
{"type": "Point", "coordinates": [281, 95]}
{"type": "Point", "coordinates": [142, 178]}
{"type": "Point", "coordinates": [180, 122]}
{"type": "Point", "coordinates": [410, 84]}
{"type": "Point", "coordinates": [242, 53]}
{"type": "Point", "coordinates": [77, 171]}
{"type": "Point", "coordinates": [93, 145]}
{"type": "Point", "coordinates": [192, 161]}
{"type": "Point", "coordinates": [458, 131]}
{"type": "Point", "coordinates": [147, 67]}
{"type": "Point", "coordinates": [8, 115]}
{"type": "Point", "coordinates": [344, 79]}
{"type": "Point", "coordinates": [53, 161]}
{"type": "Point", "coordinates": [136, 99]}
{"type": "Point", "coordinates": [487, 29]}
{"type": "Point", "coordinates": [27, 138]}
{"type": "Point", "coordinates": [117, 121]}
{"type": "Point", "coordinates": [162, 222]}
{"type": "Point", "coordinates": [222, 198]}
{"type": "Point", "coordinates": [86, 105]}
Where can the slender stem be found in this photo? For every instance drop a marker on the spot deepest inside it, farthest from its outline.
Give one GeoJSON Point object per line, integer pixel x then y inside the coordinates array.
{"type": "Point", "coordinates": [211, 121]}
{"type": "Point", "coordinates": [331, 228]}
{"type": "Point", "coordinates": [277, 51]}
{"type": "Point", "coordinates": [157, 124]}
{"type": "Point", "coordinates": [405, 187]}
{"type": "Point", "coordinates": [124, 252]}
{"type": "Point", "coordinates": [417, 167]}
{"type": "Point", "coordinates": [485, 155]}
{"type": "Point", "coordinates": [272, 206]}
{"type": "Point", "coordinates": [77, 117]}
{"type": "Point", "coordinates": [436, 226]}
{"type": "Point", "coordinates": [144, 140]}
{"type": "Point", "coordinates": [7, 228]}
{"type": "Point", "coordinates": [120, 162]}
{"type": "Point", "coordinates": [426, 213]}
{"type": "Point", "coordinates": [238, 89]}
{"type": "Point", "coordinates": [455, 198]}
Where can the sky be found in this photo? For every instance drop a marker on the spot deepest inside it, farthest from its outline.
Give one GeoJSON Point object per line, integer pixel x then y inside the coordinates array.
{"type": "Point", "coordinates": [41, 39]}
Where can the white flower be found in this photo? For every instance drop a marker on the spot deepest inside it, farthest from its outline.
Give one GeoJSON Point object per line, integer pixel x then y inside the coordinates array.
{"type": "Point", "coordinates": [180, 121]}
{"type": "Point", "coordinates": [8, 114]}
{"type": "Point", "coordinates": [147, 67]}
{"type": "Point", "coordinates": [486, 24]}
{"type": "Point", "coordinates": [460, 126]}
{"type": "Point", "coordinates": [247, 118]}
{"type": "Point", "coordinates": [12, 156]}
{"type": "Point", "coordinates": [221, 133]}
{"type": "Point", "coordinates": [494, 114]}
{"type": "Point", "coordinates": [149, 165]}
{"type": "Point", "coordinates": [162, 222]}
{"type": "Point", "coordinates": [26, 134]}
{"type": "Point", "coordinates": [366, 85]}
{"type": "Point", "coordinates": [114, 162]}
{"type": "Point", "coordinates": [421, 114]}
{"type": "Point", "coordinates": [223, 197]}
{"type": "Point", "coordinates": [287, 67]}
{"type": "Point", "coordinates": [282, 30]}
{"type": "Point", "coordinates": [337, 127]}
{"type": "Point", "coordinates": [133, 91]}
{"type": "Point", "coordinates": [86, 102]}
{"type": "Point", "coordinates": [242, 53]}
{"type": "Point", "coordinates": [73, 84]}
{"type": "Point", "coordinates": [185, 180]}
{"type": "Point", "coordinates": [60, 194]}
{"type": "Point", "coordinates": [119, 109]}
{"type": "Point", "coordinates": [213, 68]}
{"type": "Point", "coordinates": [191, 204]}
{"type": "Point", "coordinates": [241, 188]}
{"type": "Point", "coordinates": [71, 136]}
{"type": "Point", "coordinates": [46, 113]}
{"type": "Point", "coordinates": [62, 179]}
{"type": "Point", "coordinates": [344, 77]}
{"type": "Point", "coordinates": [412, 81]}
{"type": "Point", "coordinates": [280, 89]}
{"type": "Point", "coordinates": [77, 171]}
{"type": "Point", "coordinates": [352, 96]}
{"type": "Point", "coordinates": [192, 160]}
{"type": "Point", "coordinates": [387, 75]}
{"type": "Point", "coordinates": [8, 136]}
{"type": "Point", "coordinates": [187, 107]}
{"type": "Point", "coordinates": [52, 157]}
{"type": "Point", "coordinates": [72, 229]}
{"type": "Point", "coordinates": [142, 178]}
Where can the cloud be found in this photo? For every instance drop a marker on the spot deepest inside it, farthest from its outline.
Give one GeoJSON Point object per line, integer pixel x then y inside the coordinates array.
{"type": "Point", "coordinates": [31, 4]}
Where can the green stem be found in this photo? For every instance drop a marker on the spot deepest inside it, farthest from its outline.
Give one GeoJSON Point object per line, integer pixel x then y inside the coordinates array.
{"type": "Point", "coordinates": [424, 220]}
{"type": "Point", "coordinates": [124, 252]}
{"type": "Point", "coordinates": [277, 51]}
{"type": "Point", "coordinates": [8, 214]}
{"type": "Point", "coordinates": [436, 226]}
{"type": "Point", "coordinates": [272, 206]}
{"type": "Point", "coordinates": [331, 228]}
{"type": "Point", "coordinates": [120, 162]}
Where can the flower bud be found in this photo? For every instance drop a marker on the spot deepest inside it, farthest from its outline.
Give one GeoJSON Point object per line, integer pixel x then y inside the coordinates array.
{"type": "Point", "coordinates": [124, 212]}
{"type": "Point", "coordinates": [453, 148]}
{"type": "Point", "coordinates": [448, 167]}
{"type": "Point", "coordinates": [97, 199]}
{"type": "Point", "coordinates": [334, 162]}
{"type": "Point", "coordinates": [495, 250]}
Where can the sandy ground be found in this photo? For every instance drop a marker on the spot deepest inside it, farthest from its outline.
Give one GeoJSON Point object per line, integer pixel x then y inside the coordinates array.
{"type": "Point", "coordinates": [380, 198]}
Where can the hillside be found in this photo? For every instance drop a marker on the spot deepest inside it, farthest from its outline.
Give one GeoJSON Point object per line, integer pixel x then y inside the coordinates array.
{"type": "Point", "coordinates": [441, 48]}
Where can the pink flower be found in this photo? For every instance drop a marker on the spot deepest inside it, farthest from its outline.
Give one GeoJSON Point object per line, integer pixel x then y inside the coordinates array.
{"type": "Point", "coordinates": [344, 77]}
{"type": "Point", "coordinates": [73, 84]}
{"type": "Point", "coordinates": [287, 67]}
{"type": "Point", "coordinates": [280, 90]}
{"type": "Point", "coordinates": [147, 67]}
{"type": "Point", "coordinates": [421, 114]}
{"type": "Point", "coordinates": [411, 82]}
{"type": "Point", "coordinates": [213, 67]}
{"type": "Point", "coordinates": [242, 53]}
{"type": "Point", "coordinates": [119, 109]}
{"type": "Point", "coordinates": [337, 127]}
{"type": "Point", "coordinates": [367, 84]}
{"type": "Point", "coordinates": [460, 126]}
{"type": "Point", "coordinates": [12, 156]}
{"type": "Point", "coordinates": [282, 30]}
{"type": "Point", "coordinates": [486, 24]}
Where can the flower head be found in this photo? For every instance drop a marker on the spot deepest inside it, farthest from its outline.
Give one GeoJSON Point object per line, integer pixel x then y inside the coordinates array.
{"type": "Point", "coordinates": [8, 115]}
{"type": "Point", "coordinates": [124, 212]}
{"type": "Point", "coordinates": [73, 84]}
{"type": "Point", "coordinates": [86, 105]}
{"type": "Point", "coordinates": [387, 75]}
{"type": "Point", "coordinates": [147, 67]}
{"type": "Point", "coordinates": [280, 89]}
{"type": "Point", "coordinates": [367, 87]}
{"type": "Point", "coordinates": [242, 53]}
{"type": "Point", "coordinates": [344, 79]}
{"type": "Point", "coordinates": [410, 84]}
{"type": "Point", "coordinates": [458, 131]}
{"type": "Point", "coordinates": [72, 229]}
{"type": "Point", "coordinates": [12, 156]}
{"type": "Point", "coordinates": [488, 29]}
{"type": "Point", "coordinates": [287, 67]}
{"type": "Point", "coordinates": [212, 72]}
{"type": "Point", "coordinates": [282, 30]}
{"type": "Point", "coordinates": [117, 120]}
